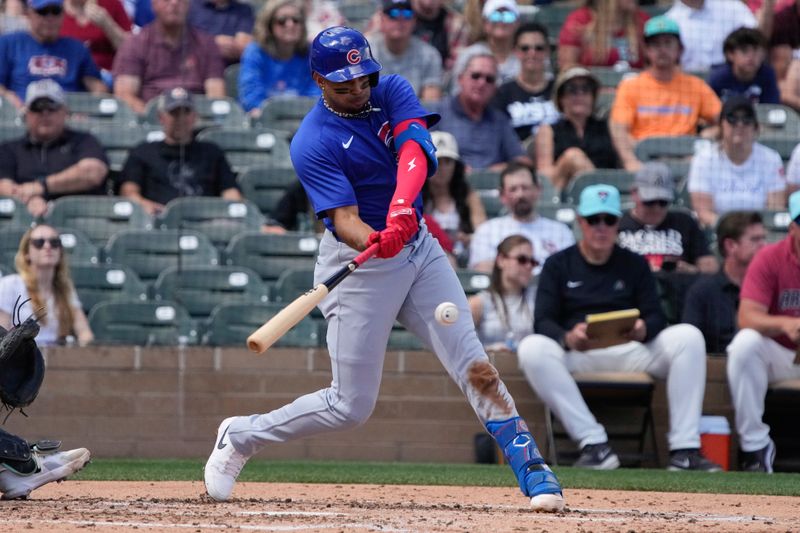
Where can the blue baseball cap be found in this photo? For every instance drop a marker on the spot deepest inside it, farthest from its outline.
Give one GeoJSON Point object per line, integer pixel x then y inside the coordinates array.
{"type": "Point", "coordinates": [41, 4]}
{"type": "Point", "coordinates": [794, 205]}
{"type": "Point", "coordinates": [601, 198]}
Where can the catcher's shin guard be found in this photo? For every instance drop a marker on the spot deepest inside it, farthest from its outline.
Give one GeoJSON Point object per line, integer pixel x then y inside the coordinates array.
{"type": "Point", "coordinates": [522, 455]}
{"type": "Point", "coordinates": [15, 453]}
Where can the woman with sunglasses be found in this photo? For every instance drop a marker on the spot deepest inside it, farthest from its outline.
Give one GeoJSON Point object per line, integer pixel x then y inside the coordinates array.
{"type": "Point", "coordinates": [500, 20]}
{"type": "Point", "coordinates": [276, 63]}
{"type": "Point", "coordinates": [42, 286]}
{"type": "Point", "coordinates": [736, 173]}
{"type": "Point", "coordinates": [503, 313]}
{"type": "Point", "coordinates": [603, 33]}
{"type": "Point", "coordinates": [578, 142]}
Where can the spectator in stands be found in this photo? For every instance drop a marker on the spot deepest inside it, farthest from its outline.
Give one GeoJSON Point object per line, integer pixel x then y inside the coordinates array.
{"type": "Point", "coordinates": [745, 71]}
{"type": "Point", "coordinates": [12, 16]}
{"type": "Point", "coordinates": [526, 98]}
{"type": "Point", "coordinates": [662, 100]}
{"type": "Point", "coordinates": [503, 313]}
{"type": "Point", "coordinates": [276, 63]}
{"type": "Point", "coordinates": [669, 240]}
{"type": "Point", "coordinates": [519, 192]}
{"type": "Point", "coordinates": [485, 137]}
{"type": "Point", "coordinates": [51, 160]}
{"type": "Point", "coordinates": [597, 276]}
{"type": "Point", "coordinates": [399, 51]}
{"type": "Point", "coordinates": [793, 171]}
{"type": "Point", "coordinates": [603, 33]}
{"type": "Point", "coordinates": [442, 27]}
{"type": "Point", "coordinates": [578, 142]}
{"type": "Point", "coordinates": [790, 88]}
{"type": "Point", "coordinates": [42, 287]}
{"type": "Point", "coordinates": [101, 25]}
{"type": "Point", "coordinates": [500, 23]}
{"type": "Point", "coordinates": [711, 303]}
{"type": "Point", "coordinates": [42, 53]}
{"type": "Point", "coordinates": [322, 14]}
{"type": "Point", "coordinates": [704, 25]}
{"type": "Point", "coordinates": [737, 172]}
{"type": "Point", "coordinates": [449, 199]}
{"type": "Point", "coordinates": [167, 53]}
{"type": "Point", "coordinates": [785, 39]}
{"type": "Point", "coordinates": [764, 350]}
{"type": "Point", "coordinates": [229, 21]}
{"type": "Point", "coordinates": [157, 172]}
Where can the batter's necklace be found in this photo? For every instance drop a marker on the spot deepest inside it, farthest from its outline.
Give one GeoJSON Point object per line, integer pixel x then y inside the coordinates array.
{"type": "Point", "coordinates": [361, 114]}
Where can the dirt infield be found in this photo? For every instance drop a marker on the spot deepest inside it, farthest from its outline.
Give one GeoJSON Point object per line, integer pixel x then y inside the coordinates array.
{"type": "Point", "coordinates": [182, 506]}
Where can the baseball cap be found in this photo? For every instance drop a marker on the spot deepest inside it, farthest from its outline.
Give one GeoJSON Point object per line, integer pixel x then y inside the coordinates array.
{"type": "Point", "coordinates": [44, 88]}
{"type": "Point", "coordinates": [571, 74]}
{"type": "Point", "coordinates": [654, 181]}
{"type": "Point", "coordinates": [446, 145]}
{"type": "Point", "coordinates": [396, 4]}
{"type": "Point", "coordinates": [661, 25]}
{"type": "Point", "coordinates": [600, 198]}
{"type": "Point", "coordinates": [738, 102]}
{"type": "Point", "coordinates": [495, 5]}
{"type": "Point", "coordinates": [175, 98]}
{"type": "Point", "coordinates": [41, 4]}
{"type": "Point", "coordinates": [794, 205]}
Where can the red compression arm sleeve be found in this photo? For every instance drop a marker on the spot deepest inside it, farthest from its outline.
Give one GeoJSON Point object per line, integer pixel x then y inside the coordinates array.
{"type": "Point", "coordinates": [412, 166]}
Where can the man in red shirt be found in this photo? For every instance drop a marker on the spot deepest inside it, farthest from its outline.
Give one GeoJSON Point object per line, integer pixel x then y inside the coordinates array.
{"type": "Point", "coordinates": [764, 350]}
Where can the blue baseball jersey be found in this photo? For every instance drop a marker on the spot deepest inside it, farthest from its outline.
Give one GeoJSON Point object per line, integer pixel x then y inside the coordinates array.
{"type": "Point", "coordinates": [23, 59]}
{"type": "Point", "coordinates": [353, 161]}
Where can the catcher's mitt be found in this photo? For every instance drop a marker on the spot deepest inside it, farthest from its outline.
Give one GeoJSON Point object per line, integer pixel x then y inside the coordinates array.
{"type": "Point", "coordinates": [21, 365]}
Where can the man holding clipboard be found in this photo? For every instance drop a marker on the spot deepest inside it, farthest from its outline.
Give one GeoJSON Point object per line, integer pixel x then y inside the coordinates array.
{"type": "Point", "coordinates": [597, 277]}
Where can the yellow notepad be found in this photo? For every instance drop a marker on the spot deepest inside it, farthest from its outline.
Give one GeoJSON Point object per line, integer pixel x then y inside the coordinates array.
{"type": "Point", "coordinates": [610, 329]}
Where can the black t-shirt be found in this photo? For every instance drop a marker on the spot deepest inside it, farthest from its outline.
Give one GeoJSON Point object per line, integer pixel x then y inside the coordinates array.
{"type": "Point", "coordinates": [595, 143]}
{"type": "Point", "coordinates": [711, 304]}
{"type": "Point", "coordinates": [23, 161]}
{"type": "Point", "coordinates": [157, 169]}
{"type": "Point", "coordinates": [434, 33]}
{"type": "Point", "coordinates": [526, 110]}
{"type": "Point", "coordinates": [678, 237]}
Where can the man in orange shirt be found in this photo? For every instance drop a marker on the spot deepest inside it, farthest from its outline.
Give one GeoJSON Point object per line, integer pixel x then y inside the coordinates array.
{"type": "Point", "coordinates": [662, 100]}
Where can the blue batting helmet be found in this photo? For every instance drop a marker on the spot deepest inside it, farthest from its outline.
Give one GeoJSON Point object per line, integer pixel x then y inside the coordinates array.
{"type": "Point", "coordinates": [341, 54]}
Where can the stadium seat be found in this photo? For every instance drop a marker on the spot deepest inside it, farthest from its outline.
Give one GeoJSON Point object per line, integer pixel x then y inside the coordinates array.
{"type": "Point", "coordinates": [265, 185]}
{"type": "Point", "coordinates": [149, 252]}
{"type": "Point", "coordinates": [248, 147]}
{"type": "Point", "coordinates": [9, 243]}
{"type": "Point", "coordinates": [561, 212]}
{"type": "Point", "coordinates": [602, 107]}
{"type": "Point", "coordinates": [284, 113]}
{"type": "Point", "coordinates": [357, 12]}
{"type": "Point", "coordinates": [142, 323]}
{"type": "Point", "coordinates": [86, 109]}
{"type": "Point", "coordinates": [231, 324]}
{"type": "Point", "coordinates": [777, 119]}
{"type": "Point", "coordinates": [99, 217]}
{"type": "Point", "coordinates": [231, 77]}
{"type": "Point", "coordinates": [491, 203]}
{"type": "Point", "coordinates": [620, 179]}
{"type": "Point", "coordinates": [105, 282]}
{"type": "Point", "coordinates": [473, 281]}
{"type": "Point", "coordinates": [222, 112]}
{"type": "Point", "coordinates": [215, 217]}
{"type": "Point", "coordinates": [680, 147]}
{"type": "Point", "coordinates": [610, 77]}
{"type": "Point", "coordinates": [14, 213]}
{"type": "Point", "coordinates": [552, 17]}
{"type": "Point", "coordinates": [10, 131]}
{"type": "Point", "coordinates": [484, 180]}
{"type": "Point", "coordinates": [294, 282]}
{"type": "Point", "coordinates": [117, 140]}
{"type": "Point", "coordinates": [270, 255]}
{"type": "Point", "coordinates": [199, 289]}
{"type": "Point", "coordinates": [78, 246]}
{"type": "Point", "coordinates": [9, 115]}
{"type": "Point", "coordinates": [781, 144]}
{"type": "Point", "coordinates": [548, 194]}
{"type": "Point", "coordinates": [776, 223]}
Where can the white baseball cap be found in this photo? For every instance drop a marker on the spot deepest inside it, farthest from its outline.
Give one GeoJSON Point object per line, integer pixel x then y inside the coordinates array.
{"type": "Point", "coordinates": [495, 5]}
{"type": "Point", "coordinates": [446, 145]}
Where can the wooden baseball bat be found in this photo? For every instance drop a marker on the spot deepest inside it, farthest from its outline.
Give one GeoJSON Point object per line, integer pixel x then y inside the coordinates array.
{"type": "Point", "coordinates": [265, 336]}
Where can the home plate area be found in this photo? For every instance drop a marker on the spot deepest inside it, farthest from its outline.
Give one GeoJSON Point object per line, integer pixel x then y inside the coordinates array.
{"type": "Point", "coordinates": [183, 506]}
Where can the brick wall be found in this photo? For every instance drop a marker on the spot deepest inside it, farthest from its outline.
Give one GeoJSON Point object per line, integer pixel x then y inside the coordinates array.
{"type": "Point", "coordinates": [167, 402]}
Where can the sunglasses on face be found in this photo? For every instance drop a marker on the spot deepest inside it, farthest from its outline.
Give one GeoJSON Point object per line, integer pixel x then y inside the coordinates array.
{"type": "Point", "coordinates": [735, 120]}
{"type": "Point", "coordinates": [524, 260]}
{"type": "Point", "coordinates": [654, 203]}
{"type": "Point", "coordinates": [402, 14]}
{"type": "Point", "coordinates": [54, 242]}
{"type": "Point", "coordinates": [577, 88]}
{"type": "Point", "coordinates": [525, 48]}
{"type": "Point", "coordinates": [50, 10]}
{"type": "Point", "coordinates": [608, 220]}
{"type": "Point", "coordinates": [490, 78]}
{"type": "Point", "coordinates": [283, 21]}
{"type": "Point", "coordinates": [502, 17]}
{"type": "Point", "coordinates": [42, 105]}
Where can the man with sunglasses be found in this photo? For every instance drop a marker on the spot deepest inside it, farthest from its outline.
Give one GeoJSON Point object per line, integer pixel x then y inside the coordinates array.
{"type": "Point", "coordinates": [594, 276]}
{"type": "Point", "coordinates": [43, 53]}
{"type": "Point", "coordinates": [51, 160]}
{"type": "Point", "coordinates": [401, 52]}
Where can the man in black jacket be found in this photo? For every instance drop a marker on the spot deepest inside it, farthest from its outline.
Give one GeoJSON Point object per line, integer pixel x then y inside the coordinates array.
{"type": "Point", "coordinates": [595, 276]}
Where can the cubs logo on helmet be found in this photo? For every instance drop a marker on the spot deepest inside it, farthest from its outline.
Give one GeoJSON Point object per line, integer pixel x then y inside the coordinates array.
{"type": "Point", "coordinates": [341, 54]}
{"type": "Point", "coordinates": [354, 57]}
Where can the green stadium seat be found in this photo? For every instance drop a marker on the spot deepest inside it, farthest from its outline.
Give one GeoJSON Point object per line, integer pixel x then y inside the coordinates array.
{"type": "Point", "coordinates": [78, 246]}
{"type": "Point", "coordinates": [781, 144]}
{"type": "Point", "coordinates": [149, 252]}
{"type": "Point", "coordinates": [99, 217]}
{"type": "Point", "coordinates": [491, 203]}
{"type": "Point", "coordinates": [679, 147]}
{"type": "Point", "coordinates": [86, 109]}
{"type": "Point", "coordinates": [215, 217]}
{"type": "Point", "coordinates": [266, 185]}
{"type": "Point", "coordinates": [778, 119]}
{"type": "Point", "coordinates": [231, 77]}
{"type": "Point", "coordinates": [560, 212]}
{"type": "Point", "coordinates": [14, 213]}
{"type": "Point", "coordinates": [610, 77]}
{"type": "Point", "coordinates": [484, 180]}
{"type": "Point", "coordinates": [199, 289]}
{"type": "Point", "coordinates": [552, 17]}
{"type": "Point", "coordinates": [284, 113]}
{"type": "Point", "coordinates": [605, 99]}
{"type": "Point", "coordinates": [270, 255]}
{"type": "Point", "coordinates": [620, 179]}
{"type": "Point", "coordinates": [219, 112]}
{"type": "Point", "coordinates": [9, 243]}
{"type": "Point", "coordinates": [231, 324]}
{"type": "Point", "coordinates": [473, 281]}
{"type": "Point", "coordinates": [9, 115]}
{"type": "Point", "coordinates": [105, 282]}
{"type": "Point", "coordinates": [10, 131]}
{"type": "Point", "coordinates": [246, 147]}
{"type": "Point", "coordinates": [142, 323]}
{"type": "Point", "coordinates": [294, 282]}
{"type": "Point", "coordinates": [776, 223]}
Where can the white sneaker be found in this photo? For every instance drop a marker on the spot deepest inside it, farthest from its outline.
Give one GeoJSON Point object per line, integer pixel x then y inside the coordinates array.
{"type": "Point", "coordinates": [223, 465]}
{"type": "Point", "coordinates": [547, 503]}
{"type": "Point", "coordinates": [50, 467]}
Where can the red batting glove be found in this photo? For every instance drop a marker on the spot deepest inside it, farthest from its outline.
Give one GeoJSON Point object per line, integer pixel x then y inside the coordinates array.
{"type": "Point", "coordinates": [403, 216]}
{"type": "Point", "coordinates": [390, 242]}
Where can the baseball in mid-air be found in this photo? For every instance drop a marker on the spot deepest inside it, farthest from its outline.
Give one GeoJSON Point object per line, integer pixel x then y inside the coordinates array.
{"type": "Point", "coordinates": [446, 313]}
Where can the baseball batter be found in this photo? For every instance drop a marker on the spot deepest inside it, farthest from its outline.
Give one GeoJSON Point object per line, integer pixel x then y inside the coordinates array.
{"type": "Point", "coordinates": [362, 154]}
